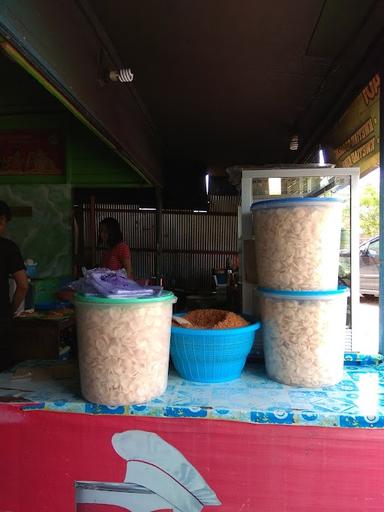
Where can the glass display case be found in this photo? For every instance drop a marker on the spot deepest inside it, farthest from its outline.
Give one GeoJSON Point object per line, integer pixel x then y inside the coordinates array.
{"type": "Point", "coordinates": [310, 180]}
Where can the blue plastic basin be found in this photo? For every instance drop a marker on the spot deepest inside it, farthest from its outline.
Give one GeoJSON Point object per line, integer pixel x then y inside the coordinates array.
{"type": "Point", "coordinates": [211, 355]}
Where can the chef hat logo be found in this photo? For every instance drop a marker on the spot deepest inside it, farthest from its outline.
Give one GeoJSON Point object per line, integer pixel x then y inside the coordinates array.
{"type": "Point", "coordinates": [160, 467]}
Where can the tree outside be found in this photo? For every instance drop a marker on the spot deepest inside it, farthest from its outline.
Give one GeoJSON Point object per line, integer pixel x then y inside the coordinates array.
{"type": "Point", "coordinates": [369, 211]}
{"type": "Point", "coordinates": [369, 208]}
{"type": "Point", "coordinates": [369, 218]}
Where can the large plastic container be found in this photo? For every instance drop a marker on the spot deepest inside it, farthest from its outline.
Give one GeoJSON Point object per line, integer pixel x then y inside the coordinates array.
{"type": "Point", "coordinates": [303, 336]}
{"type": "Point", "coordinates": [297, 243]}
{"type": "Point", "coordinates": [211, 355]}
{"type": "Point", "coordinates": [123, 347]}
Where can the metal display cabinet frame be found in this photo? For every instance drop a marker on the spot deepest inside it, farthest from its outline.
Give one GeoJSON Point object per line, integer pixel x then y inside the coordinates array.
{"type": "Point", "coordinates": [245, 224]}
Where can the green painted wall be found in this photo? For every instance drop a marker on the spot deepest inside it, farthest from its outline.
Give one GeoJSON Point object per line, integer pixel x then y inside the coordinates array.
{"type": "Point", "coordinates": [92, 163]}
{"type": "Point", "coordinates": [88, 162]}
{"type": "Point", "coordinates": [45, 236]}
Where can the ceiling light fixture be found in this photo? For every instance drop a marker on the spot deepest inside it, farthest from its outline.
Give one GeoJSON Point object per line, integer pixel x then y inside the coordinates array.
{"type": "Point", "coordinates": [294, 142]}
{"type": "Point", "coordinates": [207, 183]}
{"type": "Point", "coordinates": [321, 156]}
{"type": "Point", "coordinates": [123, 75]}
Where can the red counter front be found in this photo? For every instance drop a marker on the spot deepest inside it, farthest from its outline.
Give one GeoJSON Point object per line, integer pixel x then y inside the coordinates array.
{"type": "Point", "coordinates": [250, 467]}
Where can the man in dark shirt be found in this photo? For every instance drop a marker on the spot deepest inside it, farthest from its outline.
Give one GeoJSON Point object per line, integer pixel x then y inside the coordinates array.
{"type": "Point", "coordinates": [11, 265]}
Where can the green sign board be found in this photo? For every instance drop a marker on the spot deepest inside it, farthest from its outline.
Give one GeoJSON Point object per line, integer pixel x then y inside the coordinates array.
{"type": "Point", "coordinates": [354, 140]}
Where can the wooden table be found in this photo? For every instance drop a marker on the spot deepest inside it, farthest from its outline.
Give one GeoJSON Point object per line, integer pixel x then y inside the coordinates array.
{"type": "Point", "coordinates": [39, 336]}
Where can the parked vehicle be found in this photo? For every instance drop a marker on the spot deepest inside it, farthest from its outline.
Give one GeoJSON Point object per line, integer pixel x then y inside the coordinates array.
{"type": "Point", "coordinates": [369, 267]}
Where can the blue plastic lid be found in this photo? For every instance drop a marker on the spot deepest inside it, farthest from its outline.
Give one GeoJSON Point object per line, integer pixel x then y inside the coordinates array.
{"type": "Point", "coordinates": [93, 299]}
{"type": "Point", "coordinates": [302, 294]}
{"type": "Point", "coordinates": [295, 201]}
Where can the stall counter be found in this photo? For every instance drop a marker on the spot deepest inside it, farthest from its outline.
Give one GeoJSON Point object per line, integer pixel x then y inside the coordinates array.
{"type": "Point", "coordinates": [356, 401]}
{"type": "Point", "coordinates": [254, 444]}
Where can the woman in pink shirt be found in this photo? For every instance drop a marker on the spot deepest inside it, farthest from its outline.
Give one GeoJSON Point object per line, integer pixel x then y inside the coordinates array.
{"type": "Point", "coordinates": [117, 255]}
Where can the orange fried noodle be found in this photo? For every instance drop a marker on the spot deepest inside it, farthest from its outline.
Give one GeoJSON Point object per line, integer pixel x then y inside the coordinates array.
{"type": "Point", "coordinates": [214, 319]}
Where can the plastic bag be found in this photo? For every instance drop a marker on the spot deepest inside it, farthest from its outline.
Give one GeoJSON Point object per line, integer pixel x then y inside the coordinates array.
{"type": "Point", "coordinates": [112, 284]}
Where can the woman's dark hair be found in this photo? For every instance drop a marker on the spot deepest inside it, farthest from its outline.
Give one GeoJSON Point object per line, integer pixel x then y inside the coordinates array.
{"type": "Point", "coordinates": [5, 211]}
{"type": "Point", "coordinates": [114, 232]}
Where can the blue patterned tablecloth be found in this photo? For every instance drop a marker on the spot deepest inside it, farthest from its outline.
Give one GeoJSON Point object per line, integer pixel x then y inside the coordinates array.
{"type": "Point", "coordinates": [357, 401]}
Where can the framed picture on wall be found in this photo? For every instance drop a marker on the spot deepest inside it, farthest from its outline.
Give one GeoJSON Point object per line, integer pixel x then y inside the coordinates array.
{"type": "Point", "coordinates": [31, 153]}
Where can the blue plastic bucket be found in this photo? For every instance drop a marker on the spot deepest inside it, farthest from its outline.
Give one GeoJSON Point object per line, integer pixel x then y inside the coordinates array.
{"type": "Point", "coordinates": [211, 355]}
{"type": "Point", "coordinates": [31, 270]}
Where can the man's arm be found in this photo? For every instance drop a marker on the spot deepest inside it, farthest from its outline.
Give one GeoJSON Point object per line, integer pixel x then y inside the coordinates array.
{"type": "Point", "coordinates": [21, 280]}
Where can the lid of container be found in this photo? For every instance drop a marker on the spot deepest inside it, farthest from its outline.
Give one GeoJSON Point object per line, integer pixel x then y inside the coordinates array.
{"type": "Point", "coordinates": [295, 201]}
{"type": "Point", "coordinates": [302, 294]}
{"type": "Point", "coordinates": [93, 299]}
